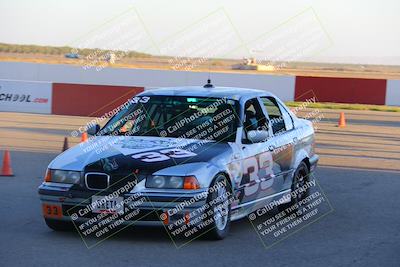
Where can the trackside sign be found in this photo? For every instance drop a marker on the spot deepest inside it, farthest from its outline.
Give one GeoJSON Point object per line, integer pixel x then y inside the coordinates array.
{"type": "Point", "coordinates": [25, 96]}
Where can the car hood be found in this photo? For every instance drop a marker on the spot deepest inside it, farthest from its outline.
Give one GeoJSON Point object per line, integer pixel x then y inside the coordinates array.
{"type": "Point", "coordinates": [125, 153]}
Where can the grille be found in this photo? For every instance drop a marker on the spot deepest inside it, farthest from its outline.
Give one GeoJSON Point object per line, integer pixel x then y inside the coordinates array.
{"type": "Point", "coordinates": [97, 180]}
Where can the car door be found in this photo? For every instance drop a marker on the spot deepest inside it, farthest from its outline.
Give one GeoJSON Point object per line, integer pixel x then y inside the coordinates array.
{"type": "Point", "coordinates": [283, 139]}
{"type": "Point", "coordinates": [260, 177]}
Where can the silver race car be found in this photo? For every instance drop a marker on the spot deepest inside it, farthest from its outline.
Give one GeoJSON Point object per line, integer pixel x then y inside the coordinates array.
{"type": "Point", "coordinates": [185, 158]}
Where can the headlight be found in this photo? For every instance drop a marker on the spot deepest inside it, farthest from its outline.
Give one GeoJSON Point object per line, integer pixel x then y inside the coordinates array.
{"type": "Point", "coordinates": [172, 182]}
{"type": "Point", "coordinates": [60, 176]}
{"type": "Point", "coordinates": [176, 182]}
{"type": "Point", "coordinates": [157, 182]}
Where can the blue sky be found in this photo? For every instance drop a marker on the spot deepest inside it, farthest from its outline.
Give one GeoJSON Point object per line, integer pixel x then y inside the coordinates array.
{"type": "Point", "coordinates": [358, 31]}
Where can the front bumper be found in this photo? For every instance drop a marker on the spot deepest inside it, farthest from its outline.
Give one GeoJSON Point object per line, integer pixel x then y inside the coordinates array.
{"type": "Point", "coordinates": [145, 208]}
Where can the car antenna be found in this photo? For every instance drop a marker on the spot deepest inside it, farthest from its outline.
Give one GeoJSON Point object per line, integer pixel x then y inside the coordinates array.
{"type": "Point", "coordinates": [208, 84]}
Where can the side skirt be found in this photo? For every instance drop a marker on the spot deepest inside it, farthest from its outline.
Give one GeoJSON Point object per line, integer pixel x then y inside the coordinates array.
{"type": "Point", "coordinates": [242, 210]}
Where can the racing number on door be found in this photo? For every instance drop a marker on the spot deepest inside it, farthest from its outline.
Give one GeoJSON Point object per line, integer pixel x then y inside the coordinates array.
{"type": "Point", "coordinates": [258, 168]}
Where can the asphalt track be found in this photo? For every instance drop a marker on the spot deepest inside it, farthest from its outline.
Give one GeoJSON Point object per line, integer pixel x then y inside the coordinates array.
{"type": "Point", "coordinates": [359, 172]}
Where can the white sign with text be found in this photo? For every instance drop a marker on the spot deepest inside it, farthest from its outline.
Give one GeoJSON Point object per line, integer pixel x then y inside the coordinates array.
{"type": "Point", "coordinates": [25, 96]}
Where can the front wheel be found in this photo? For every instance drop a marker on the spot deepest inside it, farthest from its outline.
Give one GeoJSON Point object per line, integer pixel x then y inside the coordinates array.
{"type": "Point", "coordinates": [219, 209]}
{"type": "Point", "coordinates": [300, 179]}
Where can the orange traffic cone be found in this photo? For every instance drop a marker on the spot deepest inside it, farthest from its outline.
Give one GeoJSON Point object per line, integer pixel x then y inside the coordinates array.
{"type": "Point", "coordinates": [6, 169]}
{"type": "Point", "coordinates": [65, 146]}
{"type": "Point", "coordinates": [84, 137]}
{"type": "Point", "coordinates": [342, 120]}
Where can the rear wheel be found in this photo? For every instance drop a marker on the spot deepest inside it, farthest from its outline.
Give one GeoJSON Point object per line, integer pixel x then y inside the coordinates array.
{"type": "Point", "coordinates": [300, 179]}
{"type": "Point", "coordinates": [58, 225]}
{"type": "Point", "coordinates": [219, 209]}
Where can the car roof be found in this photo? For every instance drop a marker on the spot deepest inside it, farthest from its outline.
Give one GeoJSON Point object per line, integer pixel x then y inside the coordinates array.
{"type": "Point", "coordinates": [233, 93]}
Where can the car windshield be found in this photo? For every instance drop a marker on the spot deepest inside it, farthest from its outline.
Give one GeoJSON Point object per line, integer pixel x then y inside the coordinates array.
{"type": "Point", "coordinates": [177, 116]}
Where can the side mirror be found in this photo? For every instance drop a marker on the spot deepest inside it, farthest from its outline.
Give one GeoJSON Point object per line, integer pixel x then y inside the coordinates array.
{"type": "Point", "coordinates": [257, 136]}
{"type": "Point", "coordinates": [94, 129]}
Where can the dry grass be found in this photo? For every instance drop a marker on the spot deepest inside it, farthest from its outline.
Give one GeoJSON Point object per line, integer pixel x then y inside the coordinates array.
{"type": "Point", "coordinates": [325, 105]}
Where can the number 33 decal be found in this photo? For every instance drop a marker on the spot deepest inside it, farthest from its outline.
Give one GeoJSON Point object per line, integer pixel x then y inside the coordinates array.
{"type": "Point", "coordinates": [163, 155]}
{"type": "Point", "coordinates": [257, 168]}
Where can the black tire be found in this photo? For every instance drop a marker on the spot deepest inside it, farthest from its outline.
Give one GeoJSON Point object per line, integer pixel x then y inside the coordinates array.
{"type": "Point", "coordinates": [214, 230]}
{"type": "Point", "coordinates": [300, 178]}
{"type": "Point", "coordinates": [58, 225]}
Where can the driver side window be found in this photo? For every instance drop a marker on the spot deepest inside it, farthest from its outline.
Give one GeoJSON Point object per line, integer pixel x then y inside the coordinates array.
{"type": "Point", "coordinates": [254, 116]}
